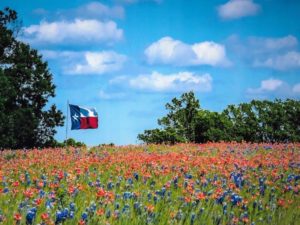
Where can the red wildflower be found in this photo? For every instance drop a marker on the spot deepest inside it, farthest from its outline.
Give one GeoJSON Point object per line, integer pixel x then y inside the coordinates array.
{"type": "Point", "coordinates": [45, 216]}
{"type": "Point", "coordinates": [100, 193]}
{"type": "Point", "coordinates": [17, 216]}
{"type": "Point", "coordinates": [200, 196]}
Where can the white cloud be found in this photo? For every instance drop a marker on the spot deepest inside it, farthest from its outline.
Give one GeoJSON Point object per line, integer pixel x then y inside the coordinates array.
{"type": "Point", "coordinates": [274, 88]}
{"type": "Point", "coordinates": [276, 53]}
{"type": "Point", "coordinates": [265, 45]}
{"type": "Point", "coordinates": [296, 88]}
{"type": "Point", "coordinates": [261, 46]}
{"type": "Point", "coordinates": [266, 86]}
{"type": "Point", "coordinates": [96, 9]}
{"type": "Point", "coordinates": [235, 9]}
{"type": "Point", "coordinates": [178, 82]}
{"type": "Point", "coordinates": [98, 63]}
{"type": "Point", "coordinates": [93, 10]}
{"type": "Point", "coordinates": [174, 52]}
{"type": "Point", "coordinates": [287, 61]}
{"type": "Point", "coordinates": [86, 62]}
{"type": "Point", "coordinates": [210, 53]}
{"type": "Point", "coordinates": [271, 84]}
{"type": "Point", "coordinates": [78, 31]}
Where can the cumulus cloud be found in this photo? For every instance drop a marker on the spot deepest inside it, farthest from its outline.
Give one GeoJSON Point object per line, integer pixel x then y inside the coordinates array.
{"type": "Point", "coordinates": [178, 82]}
{"type": "Point", "coordinates": [98, 63]}
{"type": "Point", "coordinates": [266, 86]}
{"type": "Point", "coordinates": [174, 52]}
{"type": "Point", "coordinates": [235, 9]}
{"type": "Point", "coordinates": [275, 88]}
{"type": "Point", "coordinates": [93, 10]}
{"type": "Point", "coordinates": [276, 53]}
{"type": "Point", "coordinates": [81, 63]}
{"type": "Point", "coordinates": [79, 31]}
{"type": "Point", "coordinates": [287, 61]}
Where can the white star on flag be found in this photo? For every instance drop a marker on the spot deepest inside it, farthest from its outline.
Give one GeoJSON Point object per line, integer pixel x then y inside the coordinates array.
{"type": "Point", "coordinates": [75, 117]}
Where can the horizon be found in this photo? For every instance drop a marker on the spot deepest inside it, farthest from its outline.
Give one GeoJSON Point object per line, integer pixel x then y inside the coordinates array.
{"type": "Point", "coordinates": [128, 58]}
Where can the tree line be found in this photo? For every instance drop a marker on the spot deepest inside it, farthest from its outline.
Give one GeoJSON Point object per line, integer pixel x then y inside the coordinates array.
{"type": "Point", "coordinates": [256, 121]}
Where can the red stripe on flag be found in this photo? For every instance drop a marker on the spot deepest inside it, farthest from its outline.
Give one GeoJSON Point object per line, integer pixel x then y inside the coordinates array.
{"type": "Point", "coordinates": [88, 122]}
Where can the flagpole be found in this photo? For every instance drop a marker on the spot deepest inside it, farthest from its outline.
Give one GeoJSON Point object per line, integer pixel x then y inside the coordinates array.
{"type": "Point", "coordinates": [67, 120]}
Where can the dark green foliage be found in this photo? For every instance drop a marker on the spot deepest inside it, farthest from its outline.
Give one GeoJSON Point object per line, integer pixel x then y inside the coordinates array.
{"type": "Point", "coordinates": [73, 143]}
{"type": "Point", "coordinates": [178, 125]}
{"type": "Point", "coordinates": [69, 142]}
{"type": "Point", "coordinates": [26, 85]}
{"type": "Point", "coordinates": [257, 121]}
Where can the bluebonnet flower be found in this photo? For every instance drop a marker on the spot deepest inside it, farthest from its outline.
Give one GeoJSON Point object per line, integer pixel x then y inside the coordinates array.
{"type": "Point", "coordinates": [65, 213]}
{"type": "Point", "coordinates": [193, 217]}
{"type": "Point", "coordinates": [59, 217]}
{"type": "Point", "coordinates": [161, 192]}
{"type": "Point", "coordinates": [93, 207]}
{"type": "Point", "coordinates": [254, 204]}
{"type": "Point", "coordinates": [155, 199]}
{"type": "Point", "coordinates": [72, 206]}
{"type": "Point", "coordinates": [238, 179]}
{"type": "Point", "coordinates": [84, 216]}
{"type": "Point", "coordinates": [188, 176]}
{"type": "Point", "coordinates": [262, 186]}
{"type": "Point", "coordinates": [125, 208]}
{"type": "Point", "coordinates": [220, 199]}
{"type": "Point", "coordinates": [185, 184]}
{"type": "Point", "coordinates": [136, 205]}
{"type": "Point", "coordinates": [49, 205]}
{"type": "Point", "coordinates": [110, 185]}
{"type": "Point", "coordinates": [27, 178]}
{"type": "Point", "coordinates": [91, 184]}
{"type": "Point", "coordinates": [136, 176]}
{"type": "Point", "coordinates": [71, 215]}
{"type": "Point", "coordinates": [224, 206]}
{"type": "Point", "coordinates": [98, 183]}
{"type": "Point", "coordinates": [42, 193]}
{"type": "Point", "coordinates": [127, 195]}
{"type": "Point", "coordinates": [129, 181]}
{"type": "Point", "coordinates": [30, 216]}
{"type": "Point", "coordinates": [235, 198]}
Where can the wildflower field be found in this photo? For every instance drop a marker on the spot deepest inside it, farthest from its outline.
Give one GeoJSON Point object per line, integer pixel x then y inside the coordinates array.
{"type": "Point", "coordinates": [225, 183]}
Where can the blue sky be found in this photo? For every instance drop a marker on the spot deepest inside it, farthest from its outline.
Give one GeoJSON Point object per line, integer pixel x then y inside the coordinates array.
{"type": "Point", "coordinates": [128, 58]}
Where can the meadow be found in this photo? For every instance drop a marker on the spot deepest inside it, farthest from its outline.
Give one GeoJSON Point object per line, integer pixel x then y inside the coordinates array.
{"type": "Point", "coordinates": [215, 183]}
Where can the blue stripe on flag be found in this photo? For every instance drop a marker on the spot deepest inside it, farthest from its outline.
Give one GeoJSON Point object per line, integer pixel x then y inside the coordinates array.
{"type": "Point", "coordinates": [75, 117]}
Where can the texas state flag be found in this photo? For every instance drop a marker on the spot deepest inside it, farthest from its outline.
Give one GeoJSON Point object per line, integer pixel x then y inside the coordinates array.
{"type": "Point", "coordinates": [83, 117]}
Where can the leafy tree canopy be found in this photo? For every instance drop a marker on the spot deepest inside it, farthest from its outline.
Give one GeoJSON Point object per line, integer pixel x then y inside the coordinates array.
{"type": "Point", "coordinates": [257, 121]}
{"type": "Point", "coordinates": [26, 85]}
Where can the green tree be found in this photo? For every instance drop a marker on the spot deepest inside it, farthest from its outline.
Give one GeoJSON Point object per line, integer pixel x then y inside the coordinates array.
{"type": "Point", "coordinates": [257, 121]}
{"type": "Point", "coordinates": [212, 126]}
{"type": "Point", "coordinates": [178, 125]}
{"type": "Point", "coordinates": [26, 86]}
